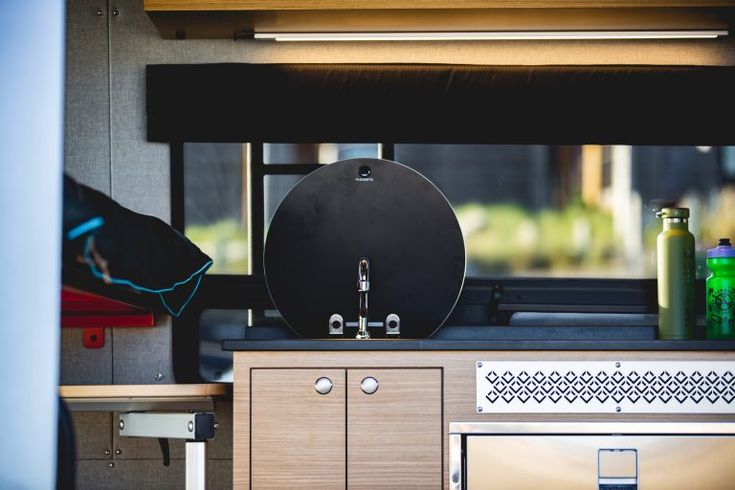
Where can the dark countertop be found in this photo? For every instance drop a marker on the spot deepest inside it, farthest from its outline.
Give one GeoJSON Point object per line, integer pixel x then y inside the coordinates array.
{"type": "Point", "coordinates": [424, 345]}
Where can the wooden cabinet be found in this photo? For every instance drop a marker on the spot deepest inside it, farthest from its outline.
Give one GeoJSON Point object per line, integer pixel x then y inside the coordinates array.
{"type": "Point", "coordinates": [300, 438]}
{"type": "Point", "coordinates": [394, 436]}
{"type": "Point", "coordinates": [297, 434]}
{"type": "Point", "coordinates": [399, 436]}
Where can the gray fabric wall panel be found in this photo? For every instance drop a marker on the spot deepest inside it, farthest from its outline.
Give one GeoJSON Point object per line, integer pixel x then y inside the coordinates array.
{"type": "Point", "coordinates": [80, 365]}
{"type": "Point", "coordinates": [132, 474]}
{"type": "Point", "coordinates": [140, 169]}
{"type": "Point", "coordinates": [86, 122]}
{"type": "Point", "coordinates": [219, 474]}
{"type": "Point", "coordinates": [221, 446]}
{"type": "Point", "coordinates": [141, 354]}
{"type": "Point", "coordinates": [86, 154]}
{"type": "Point", "coordinates": [140, 176]}
{"type": "Point", "coordinates": [145, 448]}
{"type": "Point", "coordinates": [147, 474]}
{"type": "Point", "coordinates": [95, 475]}
{"type": "Point", "coordinates": [93, 434]}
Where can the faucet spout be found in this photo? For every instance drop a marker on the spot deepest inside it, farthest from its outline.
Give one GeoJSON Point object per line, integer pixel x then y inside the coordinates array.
{"type": "Point", "coordinates": [363, 286]}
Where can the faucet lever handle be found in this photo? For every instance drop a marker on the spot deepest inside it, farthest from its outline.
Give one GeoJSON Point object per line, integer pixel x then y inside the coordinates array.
{"type": "Point", "coordinates": [363, 275]}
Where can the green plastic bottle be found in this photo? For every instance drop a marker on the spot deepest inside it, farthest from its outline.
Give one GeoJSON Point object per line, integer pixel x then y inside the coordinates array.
{"type": "Point", "coordinates": [676, 275]}
{"type": "Point", "coordinates": [721, 291]}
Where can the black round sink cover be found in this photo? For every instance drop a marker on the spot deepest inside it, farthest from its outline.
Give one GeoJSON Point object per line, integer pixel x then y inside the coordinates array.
{"type": "Point", "coordinates": [379, 210]}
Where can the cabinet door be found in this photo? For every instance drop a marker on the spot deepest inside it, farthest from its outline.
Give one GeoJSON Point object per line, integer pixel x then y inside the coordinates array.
{"type": "Point", "coordinates": [394, 436]}
{"type": "Point", "coordinates": [297, 434]}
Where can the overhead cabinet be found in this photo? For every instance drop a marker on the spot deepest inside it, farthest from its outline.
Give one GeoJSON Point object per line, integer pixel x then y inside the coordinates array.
{"type": "Point", "coordinates": [242, 18]}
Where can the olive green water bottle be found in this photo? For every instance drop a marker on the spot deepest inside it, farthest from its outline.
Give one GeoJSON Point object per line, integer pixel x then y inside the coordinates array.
{"type": "Point", "coordinates": [721, 291]}
{"type": "Point", "coordinates": [676, 274]}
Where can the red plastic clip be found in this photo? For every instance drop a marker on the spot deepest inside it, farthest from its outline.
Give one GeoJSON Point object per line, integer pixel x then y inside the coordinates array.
{"type": "Point", "coordinates": [94, 337]}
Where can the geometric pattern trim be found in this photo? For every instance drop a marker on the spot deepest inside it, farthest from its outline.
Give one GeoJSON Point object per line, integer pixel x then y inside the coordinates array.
{"type": "Point", "coordinates": [605, 386]}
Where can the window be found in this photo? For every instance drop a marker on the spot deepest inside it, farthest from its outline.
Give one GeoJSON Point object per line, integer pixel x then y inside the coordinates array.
{"type": "Point", "coordinates": [216, 204]}
{"type": "Point", "coordinates": [527, 212]}
{"type": "Point", "coordinates": [288, 153]}
{"type": "Point", "coordinates": [576, 211]}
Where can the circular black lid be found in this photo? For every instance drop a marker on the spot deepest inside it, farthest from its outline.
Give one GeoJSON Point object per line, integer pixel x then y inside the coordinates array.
{"type": "Point", "coordinates": [364, 208]}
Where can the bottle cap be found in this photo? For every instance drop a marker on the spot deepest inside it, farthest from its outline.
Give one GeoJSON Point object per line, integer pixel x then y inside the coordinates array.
{"type": "Point", "coordinates": [723, 250]}
{"type": "Point", "coordinates": [673, 213]}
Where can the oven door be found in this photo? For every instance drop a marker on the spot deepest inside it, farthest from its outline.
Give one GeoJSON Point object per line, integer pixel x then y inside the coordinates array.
{"type": "Point", "coordinates": [605, 456]}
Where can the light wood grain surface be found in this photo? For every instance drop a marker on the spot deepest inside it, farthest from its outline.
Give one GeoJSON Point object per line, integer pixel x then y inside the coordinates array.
{"type": "Point", "coordinates": [298, 435]}
{"type": "Point", "coordinates": [394, 436]}
{"type": "Point", "coordinates": [162, 390]}
{"type": "Point", "coordinates": [220, 5]}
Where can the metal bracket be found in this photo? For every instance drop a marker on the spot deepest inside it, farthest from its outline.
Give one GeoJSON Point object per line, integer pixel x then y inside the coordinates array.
{"type": "Point", "coordinates": [190, 426]}
{"type": "Point", "coordinates": [493, 306]}
{"type": "Point", "coordinates": [336, 324]}
{"type": "Point", "coordinates": [196, 428]}
{"type": "Point", "coordinates": [392, 324]}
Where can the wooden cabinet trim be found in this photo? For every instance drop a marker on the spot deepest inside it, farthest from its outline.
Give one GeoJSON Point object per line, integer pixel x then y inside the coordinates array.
{"type": "Point", "coordinates": [261, 5]}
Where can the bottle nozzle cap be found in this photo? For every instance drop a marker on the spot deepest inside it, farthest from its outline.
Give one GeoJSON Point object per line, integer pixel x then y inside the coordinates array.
{"type": "Point", "coordinates": [673, 213]}
{"type": "Point", "coordinates": [723, 249]}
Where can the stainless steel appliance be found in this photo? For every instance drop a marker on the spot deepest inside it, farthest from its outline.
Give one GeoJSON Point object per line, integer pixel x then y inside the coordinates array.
{"type": "Point", "coordinates": [592, 455]}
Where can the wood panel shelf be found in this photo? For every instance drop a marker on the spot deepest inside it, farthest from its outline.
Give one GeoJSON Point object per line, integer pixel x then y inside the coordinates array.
{"type": "Point", "coordinates": [122, 398]}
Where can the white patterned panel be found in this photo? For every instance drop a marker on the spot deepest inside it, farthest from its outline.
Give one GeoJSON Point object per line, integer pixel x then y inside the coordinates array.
{"type": "Point", "coordinates": [605, 386]}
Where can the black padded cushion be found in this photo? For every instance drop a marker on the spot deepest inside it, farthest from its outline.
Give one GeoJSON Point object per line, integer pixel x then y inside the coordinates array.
{"type": "Point", "coordinates": [124, 249]}
{"type": "Point", "coordinates": [403, 103]}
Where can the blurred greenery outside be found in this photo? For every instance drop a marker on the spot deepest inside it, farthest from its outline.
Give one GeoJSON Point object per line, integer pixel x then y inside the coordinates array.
{"type": "Point", "coordinates": [577, 240]}
{"type": "Point", "coordinates": [542, 227]}
{"type": "Point", "coordinates": [225, 242]}
{"type": "Point", "coordinates": [507, 239]}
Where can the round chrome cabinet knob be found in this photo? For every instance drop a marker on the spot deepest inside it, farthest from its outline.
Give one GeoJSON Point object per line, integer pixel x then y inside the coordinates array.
{"type": "Point", "coordinates": [323, 386]}
{"type": "Point", "coordinates": [369, 385]}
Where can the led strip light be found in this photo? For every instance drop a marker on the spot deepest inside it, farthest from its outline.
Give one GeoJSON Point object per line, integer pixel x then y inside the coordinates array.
{"type": "Point", "coordinates": [488, 35]}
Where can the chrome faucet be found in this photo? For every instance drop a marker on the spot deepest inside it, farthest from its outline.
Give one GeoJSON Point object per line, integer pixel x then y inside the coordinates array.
{"type": "Point", "coordinates": [363, 286]}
